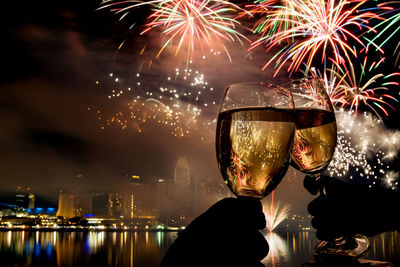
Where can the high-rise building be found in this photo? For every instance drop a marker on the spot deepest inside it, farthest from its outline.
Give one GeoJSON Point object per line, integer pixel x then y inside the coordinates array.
{"type": "Point", "coordinates": [176, 208]}
{"type": "Point", "coordinates": [22, 197]}
{"type": "Point", "coordinates": [182, 173]}
{"type": "Point", "coordinates": [115, 201]}
{"type": "Point", "coordinates": [128, 206]}
{"type": "Point", "coordinates": [83, 204]}
{"type": "Point", "coordinates": [31, 201]}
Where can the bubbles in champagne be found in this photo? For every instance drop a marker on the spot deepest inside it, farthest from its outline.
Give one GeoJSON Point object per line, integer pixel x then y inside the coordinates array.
{"type": "Point", "coordinates": [253, 148]}
{"type": "Point", "coordinates": [314, 141]}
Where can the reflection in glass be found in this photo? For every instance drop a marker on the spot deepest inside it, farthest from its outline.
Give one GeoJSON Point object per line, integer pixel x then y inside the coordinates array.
{"type": "Point", "coordinates": [254, 134]}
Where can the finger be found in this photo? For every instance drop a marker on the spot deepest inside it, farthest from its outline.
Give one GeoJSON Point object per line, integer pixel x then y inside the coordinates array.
{"type": "Point", "coordinates": [327, 235]}
{"type": "Point", "coordinates": [253, 245]}
{"type": "Point", "coordinates": [235, 212]}
{"type": "Point", "coordinates": [310, 184]}
{"type": "Point", "coordinates": [318, 206]}
{"type": "Point", "coordinates": [327, 228]}
{"type": "Point", "coordinates": [251, 211]}
{"type": "Point", "coordinates": [334, 187]}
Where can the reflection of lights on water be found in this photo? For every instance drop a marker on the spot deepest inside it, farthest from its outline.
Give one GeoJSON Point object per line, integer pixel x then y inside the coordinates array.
{"type": "Point", "coordinates": [287, 249]}
{"type": "Point", "coordinates": [114, 238]}
{"type": "Point", "coordinates": [160, 238]}
{"type": "Point", "coordinates": [132, 253]}
{"type": "Point", "coordinates": [9, 238]}
{"type": "Point", "coordinates": [121, 244]}
{"type": "Point", "coordinates": [278, 249]}
{"type": "Point", "coordinates": [55, 237]}
{"type": "Point", "coordinates": [95, 241]}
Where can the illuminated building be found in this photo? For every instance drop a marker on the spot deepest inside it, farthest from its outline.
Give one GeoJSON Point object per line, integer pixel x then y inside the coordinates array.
{"type": "Point", "coordinates": [12, 211]}
{"type": "Point", "coordinates": [74, 204]}
{"type": "Point", "coordinates": [115, 201]}
{"type": "Point", "coordinates": [66, 205]}
{"type": "Point", "coordinates": [21, 197]}
{"type": "Point", "coordinates": [139, 201]}
{"type": "Point", "coordinates": [182, 173]}
{"type": "Point", "coordinates": [31, 201]}
{"type": "Point", "coordinates": [83, 204]}
{"type": "Point", "coordinates": [176, 197]}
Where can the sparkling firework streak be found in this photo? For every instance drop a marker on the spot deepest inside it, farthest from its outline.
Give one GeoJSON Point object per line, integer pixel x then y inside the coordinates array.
{"type": "Point", "coordinates": [320, 25]}
{"type": "Point", "coordinates": [191, 23]}
{"type": "Point", "coordinates": [368, 87]}
{"type": "Point", "coordinates": [392, 24]}
{"type": "Point", "coordinates": [176, 105]}
{"type": "Point", "coordinates": [275, 213]}
{"type": "Point", "coordinates": [365, 147]}
{"type": "Point", "coordinates": [264, 8]}
{"type": "Point", "coordinates": [331, 84]}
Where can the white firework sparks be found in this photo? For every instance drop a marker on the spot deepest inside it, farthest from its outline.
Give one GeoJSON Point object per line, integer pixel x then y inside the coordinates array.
{"type": "Point", "coordinates": [365, 149]}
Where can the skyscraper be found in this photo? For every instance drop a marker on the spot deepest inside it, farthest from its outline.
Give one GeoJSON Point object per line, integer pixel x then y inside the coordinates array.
{"type": "Point", "coordinates": [180, 195]}
{"type": "Point", "coordinates": [31, 201]}
{"type": "Point", "coordinates": [182, 173]}
{"type": "Point", "coordinates": [22, 197]}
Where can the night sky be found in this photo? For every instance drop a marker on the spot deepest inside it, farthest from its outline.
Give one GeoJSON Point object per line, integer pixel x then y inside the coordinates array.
{"type": "Point", "coordinates": [55, 87]}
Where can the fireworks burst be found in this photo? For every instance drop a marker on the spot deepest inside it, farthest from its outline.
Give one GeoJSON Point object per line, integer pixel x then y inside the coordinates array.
{"type": "Point", "coordinates": [369, 88]}
{"type": "Point", "coordinates": [191, 23]}
{"type": "Point", "coordinates": [392, 23]}
{"type": "Point", "coordinates": [275, 213]}
{"type": "Point", "coordinates": [320, 25]}
{"type": "Point", "coordinates": [265, 26]}
{"type": "Point", "coordinates": [176, 105]}
{"type": "Point", "coordinates": [365, 147]}
{"type": "Point", "coordinates": [391, 178]}
{"type": "Point", "coordinates": [332, 85]}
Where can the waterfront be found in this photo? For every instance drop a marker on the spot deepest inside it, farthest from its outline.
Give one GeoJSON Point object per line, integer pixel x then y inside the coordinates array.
{"type": "Point", "coordinates": [103, 248]}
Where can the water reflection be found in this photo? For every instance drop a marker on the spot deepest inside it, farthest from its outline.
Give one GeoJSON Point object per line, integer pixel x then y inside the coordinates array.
{"type": "Point", "coordinates": [385, 246]}
{"type": "Point", "coordinates": [19, 248]}
{"type": "Point", "coordinates": [289, 249]}
{"type": "Point", "coordinates": [278, 250]}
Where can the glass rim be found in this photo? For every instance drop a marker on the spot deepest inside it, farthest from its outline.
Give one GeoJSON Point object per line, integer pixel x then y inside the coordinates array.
{"type": "Point", "coordinates": [261, 84]}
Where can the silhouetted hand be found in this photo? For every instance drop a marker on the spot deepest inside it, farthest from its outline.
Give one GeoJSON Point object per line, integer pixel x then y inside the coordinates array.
{"type": "Point", "coordinates": [225, 235]}
{"type": "Point", "coordinates": [346, 209]}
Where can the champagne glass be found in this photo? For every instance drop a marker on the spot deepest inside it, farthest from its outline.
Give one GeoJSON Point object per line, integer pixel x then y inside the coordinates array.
{"type": "Point", "coordinates": [254, 136]}
{"type": "Point", "coordinates": [313, 148]}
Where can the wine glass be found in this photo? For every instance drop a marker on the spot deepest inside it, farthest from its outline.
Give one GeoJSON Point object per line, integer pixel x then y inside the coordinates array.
{"type": "Point", "coordinates": [313, 148]}
{"type": "Point", "coordinates": [315, 135]}
{"type": "Point", "coordinates": [254, 136]}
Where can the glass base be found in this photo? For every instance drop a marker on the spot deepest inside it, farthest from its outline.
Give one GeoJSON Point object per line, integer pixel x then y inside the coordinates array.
{"type": "Point", "coordinates": [244, 192]}
{"type": "Point", "coordinates": [345, 247]}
